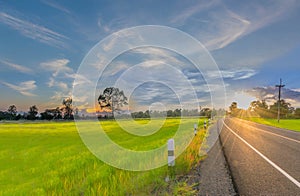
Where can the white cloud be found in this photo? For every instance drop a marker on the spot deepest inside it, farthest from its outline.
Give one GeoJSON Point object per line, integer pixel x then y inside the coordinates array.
{"type": "Point", "coordinates": [24, 88]}
{"type": "Point", "coordinates": [57, 66]}
{"type": "Point", "coordinates": [52, 83]}
{"type": "Point", "coordinates": [17, 67]}
{"type": "Point", "coordinates": [159, 54]}
{"type": "Point", "coordinates": [59, 96]}
{"type": "Point", "coordinates": [232, 74]}
{"type": "Point", "coordinates": [78, 79]}
{"type": "Point", "coordinates": [34, 31]}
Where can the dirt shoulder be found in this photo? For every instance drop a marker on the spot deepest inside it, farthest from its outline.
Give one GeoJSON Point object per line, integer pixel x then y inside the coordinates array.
{"type": "Point", "coordinates": [212, 175]}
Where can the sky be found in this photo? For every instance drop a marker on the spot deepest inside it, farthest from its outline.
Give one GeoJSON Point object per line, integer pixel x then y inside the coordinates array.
{"type": "Point", "coordinates": [253, 44]}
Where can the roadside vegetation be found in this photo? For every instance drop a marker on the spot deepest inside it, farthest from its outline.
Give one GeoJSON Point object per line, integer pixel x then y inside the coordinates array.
{"type": "Point", "coordinates": [290, 124]}
{"type": "Point", "coordinates": [49, 158]}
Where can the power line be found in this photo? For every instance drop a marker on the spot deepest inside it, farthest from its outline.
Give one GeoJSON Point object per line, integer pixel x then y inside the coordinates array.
{"type": "Point", "coordinates": [279, 86]}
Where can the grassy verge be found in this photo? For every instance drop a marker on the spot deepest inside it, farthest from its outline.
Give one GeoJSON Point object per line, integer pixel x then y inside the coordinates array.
{"type": "Point", "coordinates": [49, 158]}
{"type": "Point", "coordinates": [291, 124]}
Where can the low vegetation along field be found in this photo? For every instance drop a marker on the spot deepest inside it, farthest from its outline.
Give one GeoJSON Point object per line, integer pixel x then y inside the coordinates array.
{"type": "Point", "coordinates": [291, 124]}
{"type": "Point", "coordinates": [49, 158]}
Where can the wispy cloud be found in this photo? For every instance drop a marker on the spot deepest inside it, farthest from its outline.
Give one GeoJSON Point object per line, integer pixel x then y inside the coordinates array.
{"type": "Point", "coordinates": [34, 31]}
{"type": "Point", "coordinates": [24, 88]}
{"type": "Point", "coordinates": [225, 24]}
{"type": "Point", "coordinates": [53, 83]}
{"type": "Point", "coordinates": [78, 79]}
{"type": "Point", "coordinates": [228, 27]}
{"type": "Point", "coordinates": [56, 6]}
{"type": "Point", "coordinates": [192, 10]}
{"type": "Point", "coordinates": [17, 67]}
{"type": "Point", "coordinates": [58, 96]}
{"type": "Point", "coordinates": [57, 66]}
{"type": "Point", "coordinates": [237, 74]}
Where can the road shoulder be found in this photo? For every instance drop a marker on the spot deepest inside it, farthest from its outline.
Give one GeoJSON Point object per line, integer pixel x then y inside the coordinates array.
{"type": "Point", "coordinates": [212, 174]}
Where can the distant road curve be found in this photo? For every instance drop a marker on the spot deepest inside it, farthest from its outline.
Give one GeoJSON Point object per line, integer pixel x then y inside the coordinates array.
{"type": "Point", "coordinates": [263, 160]}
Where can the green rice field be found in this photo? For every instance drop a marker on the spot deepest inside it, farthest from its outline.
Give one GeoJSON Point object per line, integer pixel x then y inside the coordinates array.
{"type": "Point", "coordinates": [49, 158]}
{"type": "Point", "coordinates": [291, 124]}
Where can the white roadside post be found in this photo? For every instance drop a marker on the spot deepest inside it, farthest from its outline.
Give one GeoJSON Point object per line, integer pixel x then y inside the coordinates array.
{"type": "Point", "coordinates": [195, 129]}
{"type": "Point", "coordinates": [171, 152]}
{"type": "Point", "coordinates": [204, 124]}
{"type": "Point", "coordinates": [171, 159]}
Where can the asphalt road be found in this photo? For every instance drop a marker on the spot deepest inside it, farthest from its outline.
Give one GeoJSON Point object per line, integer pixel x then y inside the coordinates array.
{"type": "Point", "coordinates": [263, 160]}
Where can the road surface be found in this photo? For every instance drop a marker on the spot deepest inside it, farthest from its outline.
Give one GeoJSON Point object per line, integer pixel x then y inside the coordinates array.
{"type": "Point", "coordinates": [263, 160]}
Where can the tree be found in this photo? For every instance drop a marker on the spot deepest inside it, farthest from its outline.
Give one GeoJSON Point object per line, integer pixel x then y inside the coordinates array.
{"type": "Point", "coordinates": [33, 111]}
{"type": "Point", "coordinates": [68, 108]}
{"type": "Point", "coordinates": [297, 113]}
{"type": "Point", "coordinates": [206, 112]}
{"type": "Point", "coordinates": [260, 107]}
{"type": "Point", "coordinates": [112, 99]}
{"type": "Point", "coordinates": [233, 109]}
{"type": "Point", "coordinates": [285, 108]}
{"type": "Point", "coordinates": [12, 111]}
{"type": "Point", "coordinates": [47, 115]}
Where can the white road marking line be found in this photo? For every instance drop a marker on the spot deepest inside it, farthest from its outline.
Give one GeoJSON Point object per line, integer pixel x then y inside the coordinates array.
{"type": "Point", "coordinates": [274, 134]}
{"type": "Point", "coordinates": [264, 157]}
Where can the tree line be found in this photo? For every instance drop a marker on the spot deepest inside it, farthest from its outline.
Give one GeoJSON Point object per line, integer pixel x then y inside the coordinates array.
{"type": "Point", "coordinates": [261, 108]}
{"type": "Point", "coordinates": [66, 112]}
{"type": "Point", "coordinates": [111, 100]}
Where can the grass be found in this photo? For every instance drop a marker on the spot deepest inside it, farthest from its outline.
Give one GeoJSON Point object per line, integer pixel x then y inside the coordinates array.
{"type": "Point", "coordinates": [49, 158]}
{"type": "Point", "coordinates": [291, 124]}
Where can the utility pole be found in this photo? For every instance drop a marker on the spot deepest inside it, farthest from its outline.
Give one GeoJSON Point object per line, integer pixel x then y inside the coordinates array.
{"type": "Point", "coordinates": [279, 95]}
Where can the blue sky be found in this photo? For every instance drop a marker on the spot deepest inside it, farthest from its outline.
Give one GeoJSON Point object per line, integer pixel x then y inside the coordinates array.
{"type": "Point", "coordinates": [43, 43]}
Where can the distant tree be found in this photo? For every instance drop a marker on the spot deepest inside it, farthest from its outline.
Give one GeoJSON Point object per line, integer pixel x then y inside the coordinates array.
{"type": "Point", "coordinates": [260, 107]}
{"type": "Point", "coordinates": [47, 115]}
{"type": "Point", "coordinates": [285, 109]}
{"type": "Point", "coordinates": [112, 99]}
{"type": "Point", "coordinates": [12, 111]}
{"type": "Point", "coordinates": [297, 113]}
{"type": "Point", "coordinates": [206, 112]}
{"type": "Point", "coordinates": [169, 113]}
{"type": "Point", "coordinates": [33, 111]}
{"type": "Point", "coordinates": [67, 108]}
{"type": "Point", "coordinates": [233, 108]}
{"type": "Point", "coordinates": [57, 113]}
{"type": "Point", "coordinates": [4, 115]}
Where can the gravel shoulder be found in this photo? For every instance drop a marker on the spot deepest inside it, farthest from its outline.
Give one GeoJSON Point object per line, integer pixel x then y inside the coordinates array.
{"type": "Point", "coordinates": [212, 175]}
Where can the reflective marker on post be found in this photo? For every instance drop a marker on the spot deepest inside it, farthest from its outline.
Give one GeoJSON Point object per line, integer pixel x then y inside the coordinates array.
{"type": "Point", "coordinates": [171, 152]}
{"type": "Point", "coordinates": [195, 129]}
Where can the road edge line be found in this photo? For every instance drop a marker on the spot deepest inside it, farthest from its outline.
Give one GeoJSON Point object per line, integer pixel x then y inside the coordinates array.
{"type": "Point", "coordinates": [264, 157]}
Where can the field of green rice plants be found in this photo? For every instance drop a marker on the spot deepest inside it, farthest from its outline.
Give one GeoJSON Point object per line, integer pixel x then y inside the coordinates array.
{"type": "Point", "coordinates": [49, 158]}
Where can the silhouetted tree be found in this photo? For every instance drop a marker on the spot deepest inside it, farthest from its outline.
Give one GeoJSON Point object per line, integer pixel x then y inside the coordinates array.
{"type": "Point", "coordinates": [33, 111]}
{"type": "Point", "coordinates": [67, 108]}
{"type": "Point", "coordinates": [233, 108]}
{"type": "Point", "coordinates": [112, 99]}
{"type": "Point", "coordinates": [12, 111]}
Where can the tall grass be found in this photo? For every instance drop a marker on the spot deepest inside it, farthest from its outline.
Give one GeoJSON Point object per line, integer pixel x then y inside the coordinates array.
{"type": "Point", "coordinates": [49, 158]}
{"type": "Point", "coordinates": [291, 124]}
